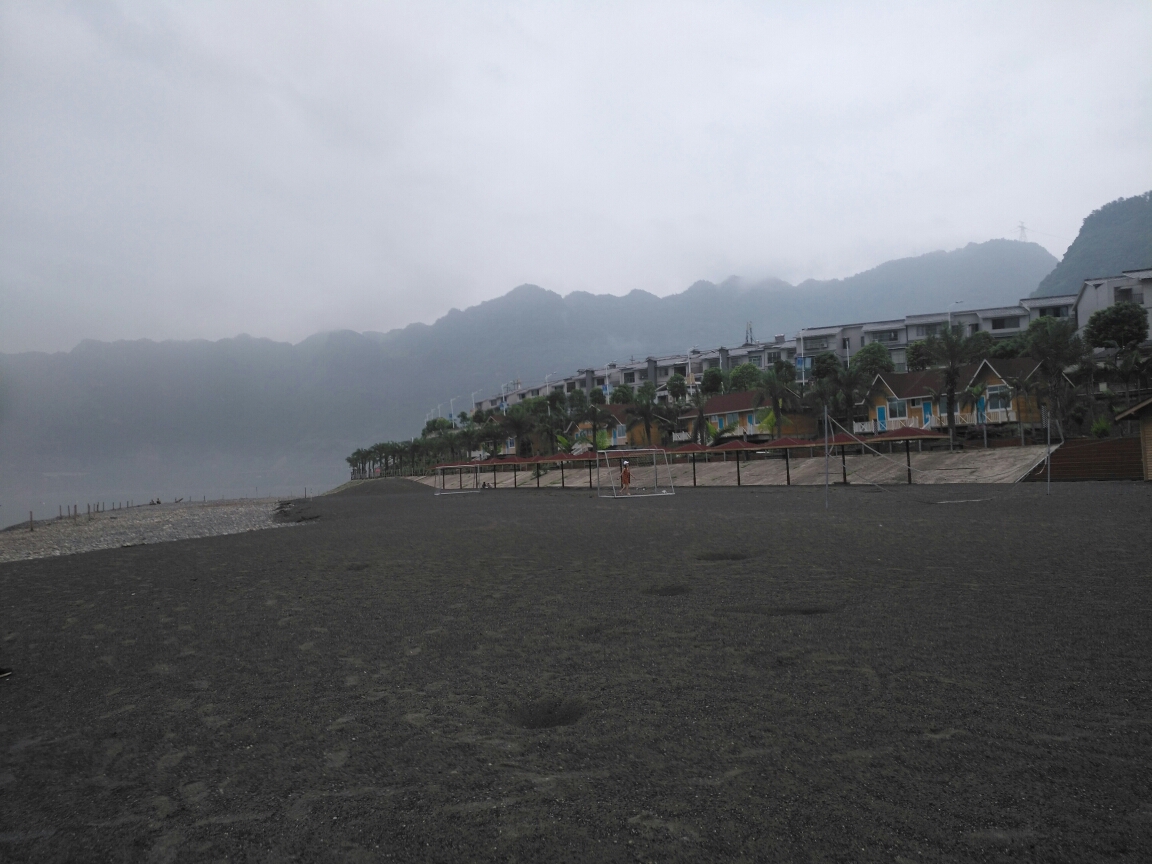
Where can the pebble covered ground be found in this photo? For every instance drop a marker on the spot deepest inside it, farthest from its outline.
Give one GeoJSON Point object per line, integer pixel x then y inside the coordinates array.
{"type": "Point", "coordinates": [907, 674]}
{"type": "Point", "coordinates": [135, 526]}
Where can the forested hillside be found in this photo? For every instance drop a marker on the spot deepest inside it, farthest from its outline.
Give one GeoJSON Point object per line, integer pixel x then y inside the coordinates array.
{"type": "Point", "coordinates": [1115, 238]}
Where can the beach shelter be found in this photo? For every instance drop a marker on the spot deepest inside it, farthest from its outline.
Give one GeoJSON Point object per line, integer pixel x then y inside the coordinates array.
{"type": "Point", "coordinates": [786, 444]}
{"type": "Point", "coordinates": [842, 440]}
{"type": "Point", "coordinates": [738, 446]}
{"type": "Point", "coordinates": [909, 434]}
{"type": "Point", "coordinates": [692, 449]}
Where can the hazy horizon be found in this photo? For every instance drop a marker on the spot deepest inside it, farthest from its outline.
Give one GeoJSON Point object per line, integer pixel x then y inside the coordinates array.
{"type": "Point", "coordinates": [176, 172]}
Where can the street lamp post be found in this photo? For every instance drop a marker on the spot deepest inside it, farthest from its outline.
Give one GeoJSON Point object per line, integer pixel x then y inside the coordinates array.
{"type": "Point", "coordinates": [954, 303]}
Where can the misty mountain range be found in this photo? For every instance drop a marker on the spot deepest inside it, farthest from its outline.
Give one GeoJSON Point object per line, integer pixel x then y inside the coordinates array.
{"type": "Point", "coordinates": [134, 419]}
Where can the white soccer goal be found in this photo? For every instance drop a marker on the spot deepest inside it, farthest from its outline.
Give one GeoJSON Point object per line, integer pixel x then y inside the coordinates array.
{"type": "Point", "coordinates": [647, 471]}
{"type": "Point", "coordinates": [454, 479]}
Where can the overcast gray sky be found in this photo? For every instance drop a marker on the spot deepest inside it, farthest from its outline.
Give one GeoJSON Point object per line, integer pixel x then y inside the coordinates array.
{"type": "Point", "coordinates": [180, 170]}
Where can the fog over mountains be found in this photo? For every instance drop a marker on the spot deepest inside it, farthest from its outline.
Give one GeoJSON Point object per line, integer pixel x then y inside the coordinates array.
{"type": "Point", "coordinates": [110, 421]}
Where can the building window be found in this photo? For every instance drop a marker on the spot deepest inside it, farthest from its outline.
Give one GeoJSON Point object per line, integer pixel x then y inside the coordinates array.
{"type": "Point", "coordinates": [621, 431]}
{"type": "Point", "coordinates": [772, 356]}
{"type": "Point", "coordinates": [680, 370]}
{"type": "Point", "coordinates": [756, 360]}
{"type": "Point", "coordinates": [599, 382]}
{"type": "Point", "coordinates": [927, 330]}
{"type": "Point", "coordinates": [1054, 312]}
{"type": "Point", "coordinates": [973, 328]}
{"type": "Point", "coordinates": [662, 372]}
{"type": "Point", "coordinates": [886, 336]}
{"type": "Point", "coordinates": [1005, 323]}
{"type": "Point", "coordinates": [998, 396]}
{"type": "Point", "coordinates": [629, 377]}
{"type": "Point", "coordinates": [897, 408]}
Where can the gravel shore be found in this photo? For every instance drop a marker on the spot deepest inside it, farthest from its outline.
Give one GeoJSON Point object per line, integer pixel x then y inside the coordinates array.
{"type": "Point", "coordinates": [136, 526]}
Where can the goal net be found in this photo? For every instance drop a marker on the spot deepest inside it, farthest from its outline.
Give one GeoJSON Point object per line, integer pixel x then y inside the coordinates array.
{"type": "Point", "coordinates": [633, 473]}
{"type": "Point", "coordinates": [454, 479]}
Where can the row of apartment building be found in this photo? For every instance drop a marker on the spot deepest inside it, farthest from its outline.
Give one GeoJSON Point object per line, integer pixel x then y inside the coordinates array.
{"type": "Point", "coordinates": [844, 340]}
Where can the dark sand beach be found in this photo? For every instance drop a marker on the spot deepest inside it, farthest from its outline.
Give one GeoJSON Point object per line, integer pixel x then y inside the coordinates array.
{"type": "Point", "coordinates": [721, 675]}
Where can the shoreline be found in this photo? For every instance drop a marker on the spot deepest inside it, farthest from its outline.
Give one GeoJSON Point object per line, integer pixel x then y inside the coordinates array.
{"type": "Point", "coordinates": [140, 525]}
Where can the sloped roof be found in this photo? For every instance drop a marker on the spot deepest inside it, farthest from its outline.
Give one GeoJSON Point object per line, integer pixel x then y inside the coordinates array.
{"type": "Point", "coordinates": [1014, 367]}
{"type": "Point", "coordinates": [726, 403]}
{"type": "Point", "coordinates": [917, 385]}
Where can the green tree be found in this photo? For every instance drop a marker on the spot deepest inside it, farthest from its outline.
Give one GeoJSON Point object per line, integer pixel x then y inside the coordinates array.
{"type": "Point", "coordinates": [596, 397]}
{"type": "Point", "coordinates": [850, 386]}
{"type": "Point", "coordinates": [520, 424]}
{"type": "Point", "coordinates": [577, 402]}
{"type": "Point", "coordinates": [1122, 325]}
{"type": "Point", "coordinates": [981, 345]}
{"type": "Point", "coordinates": [623, 394]}
{"type": "Point", "coordinates": [1007, 349]}
{"type": "Point", "coordinates": [918, 356]}
{"type": "Point", "coordinates": [713, 381]}
{"type": "Point", "coordinates": [492, 436]}
{"type": "Point", "coordinates": [824, 365]}
{"type": "Point", "coordinates": [744, 377]}
{"type": "Point", "coordinates": [872, 360]}
{"type": "Point", "coordinates": [821, 396]}
{"type": "Point", "coordinates": [678, 388]}
{"type": "Point", "coordinates": [558, 402]}
{"type": "Point", "coordinates": [436, 426]}
{"type": "Point", "coordinates": [646, 392]}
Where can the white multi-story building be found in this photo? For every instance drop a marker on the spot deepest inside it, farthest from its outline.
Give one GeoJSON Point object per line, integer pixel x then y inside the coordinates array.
{"type": "Point", "coordinates": [1132, 286]}
{"type": "Point", "coordinates": [843, 340]}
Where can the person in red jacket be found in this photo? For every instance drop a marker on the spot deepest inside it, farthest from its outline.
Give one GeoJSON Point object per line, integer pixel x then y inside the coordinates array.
{"type": "Point", "coordinates": [625, 478]}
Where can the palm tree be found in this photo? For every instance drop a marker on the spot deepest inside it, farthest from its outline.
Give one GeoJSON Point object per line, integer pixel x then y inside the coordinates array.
{"type": "Point", "coordinates": [520, 425]}
{"type": "Point", "coordinates": [951, 351]}
{"type": "Point", "coordinates": [597, 417]}
{"type": "Point", "coordinates": [646, 413]}
{"type": "Point", "coordinates": [775, 390]}
{"type": "Point", "coordinates": [971, 396]}
{"type": "Point", "coordinates": [491, 436]}
{"type": "Point", "coordinates": [1022, 387]}
{"type": "Point", "coordinates": [1053, 341]}
{"type": "Point", "coordinates": [821, 394]}
{"type": "Point", "coordinates": [850, 383]}
{"type": "Point", "coordinates": [700, 428]}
